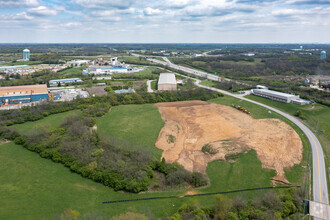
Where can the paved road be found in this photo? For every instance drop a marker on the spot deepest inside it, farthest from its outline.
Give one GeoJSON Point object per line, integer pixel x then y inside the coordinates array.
{"type": "Point", "coordinates": [149, 85]}
{"type": "Point", "coordinates": [320, 187]}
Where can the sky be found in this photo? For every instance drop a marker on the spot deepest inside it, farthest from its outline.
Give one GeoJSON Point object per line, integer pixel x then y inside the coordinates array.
{"type": "Point", "coordinates": [164, 21]}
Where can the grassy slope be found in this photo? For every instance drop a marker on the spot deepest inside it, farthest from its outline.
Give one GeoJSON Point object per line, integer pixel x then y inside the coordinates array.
{"type": "Point", "coordinates": [42, 188]}
{"type": "Point", "coordinates": [138, 124]}
{"type": "Point", "coordinates": [47, 123]}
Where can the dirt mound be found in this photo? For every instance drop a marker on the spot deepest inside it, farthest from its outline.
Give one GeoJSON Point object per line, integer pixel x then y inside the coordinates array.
{"type": "Point", "coordinates": [198, 132]}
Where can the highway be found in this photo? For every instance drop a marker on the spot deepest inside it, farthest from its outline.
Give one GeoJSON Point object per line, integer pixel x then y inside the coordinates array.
{"type": "Point", "coordinates": [320, 187]}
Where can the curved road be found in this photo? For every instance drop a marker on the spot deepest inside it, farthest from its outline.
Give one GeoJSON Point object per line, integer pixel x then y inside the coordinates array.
{"type": "Point", "coordinates": [320, 187]}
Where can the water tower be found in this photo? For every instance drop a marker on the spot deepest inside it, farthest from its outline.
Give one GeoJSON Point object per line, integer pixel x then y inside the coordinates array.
{"type": "Point", "coordinates": [323, 55]}
{"type": "Point", "coordinates": [26, 54]}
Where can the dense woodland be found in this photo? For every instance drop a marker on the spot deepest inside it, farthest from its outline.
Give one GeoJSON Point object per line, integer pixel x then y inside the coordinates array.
{"type": "Point", "coordinates": [243, 66]}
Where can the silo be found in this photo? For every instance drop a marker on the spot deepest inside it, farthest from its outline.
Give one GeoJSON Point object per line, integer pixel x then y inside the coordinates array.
{"type": "Point", "coordinates": [323, 55]}
{"type": "Point", "coordinates": [26, 54]}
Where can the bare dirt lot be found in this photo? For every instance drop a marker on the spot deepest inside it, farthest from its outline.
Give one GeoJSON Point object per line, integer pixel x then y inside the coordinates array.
{"type": "Point", "coordinates": [197, 132]}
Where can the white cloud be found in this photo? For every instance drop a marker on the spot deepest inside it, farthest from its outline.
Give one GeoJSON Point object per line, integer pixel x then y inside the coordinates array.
{"type": "Point", "coordinates": [150, 11]}
{"type": "Point", "coordinates": [72, 24]}
{"type": "Point", "coordinates": [18, 3]}
{"type": "Point", "coordinates": [103, 4]}
{"type": "Point", "coordinates": [42, 11]}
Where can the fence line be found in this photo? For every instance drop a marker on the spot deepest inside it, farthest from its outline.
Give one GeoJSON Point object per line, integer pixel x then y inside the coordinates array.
{"type": "Point", "coordinates": [201, 194]}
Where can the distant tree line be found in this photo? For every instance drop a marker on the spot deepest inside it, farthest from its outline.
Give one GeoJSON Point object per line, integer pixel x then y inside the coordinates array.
{"type": "Point", "coordinates": [273, 65]}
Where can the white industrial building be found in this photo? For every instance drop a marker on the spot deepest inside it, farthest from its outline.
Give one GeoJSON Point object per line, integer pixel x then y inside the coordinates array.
{"type": "Point", "coordinates": [78, 62]}
{"type": "Point", "coordinates": [279, 96]}
{"type": "Point", "coordinates": [65, 81]}
{"type": "Point", "coordinates": [167, 82]}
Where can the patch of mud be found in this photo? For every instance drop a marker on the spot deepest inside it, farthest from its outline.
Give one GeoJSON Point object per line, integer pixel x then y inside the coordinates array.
{"type": "Point", "coordinates": [193, 124]}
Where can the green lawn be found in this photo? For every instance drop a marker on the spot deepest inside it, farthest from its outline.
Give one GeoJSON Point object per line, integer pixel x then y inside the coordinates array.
{"type": "Point", "coordinates": [138, 124]}
{"type": "Point", "coordinates": [52, 121]}
{"type": "Point", "coordinates": [245, 172]}
{"type": "Point", "coordinates": [154, 85]}
{"type": "Point", "coordinates": [208, 83]}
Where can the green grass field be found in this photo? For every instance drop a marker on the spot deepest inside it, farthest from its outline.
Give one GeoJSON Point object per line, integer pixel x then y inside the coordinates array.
{"type": "Point", "coordinates": [138, 124]}
{"type": "Point", "coordinates": [73, 71]}
{"type": "Point", "coordinates": [32, 187]}
{"type": "Point", "coordinates": [50, 122]}
{"type": "Point", "coordinates": [129, 59]}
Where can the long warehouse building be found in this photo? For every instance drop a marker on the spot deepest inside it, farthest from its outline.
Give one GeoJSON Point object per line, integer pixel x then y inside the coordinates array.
{"type": "Point", "coordinates": [279, 96]}
{"type": "Point", "coordinates": [23, 94]}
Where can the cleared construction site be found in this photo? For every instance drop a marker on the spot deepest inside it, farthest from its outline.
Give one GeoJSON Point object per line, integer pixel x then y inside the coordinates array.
{"type": "Point", "coordinates": [197, 132]}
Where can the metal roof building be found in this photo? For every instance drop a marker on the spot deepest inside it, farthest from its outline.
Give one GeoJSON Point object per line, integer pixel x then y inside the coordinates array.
{"type": "Point", "coordinates": [23, 94]}
{"type": "Point", "coordinates": [278, 96]}
{"type": "Point", "coordinates": [167, 82]}
{"type": "Point", "coordinates": [64, 81]}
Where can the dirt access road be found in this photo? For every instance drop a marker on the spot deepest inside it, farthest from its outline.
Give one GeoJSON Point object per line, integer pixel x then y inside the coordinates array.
{"type": "Point", "coordinates": [224, 131]}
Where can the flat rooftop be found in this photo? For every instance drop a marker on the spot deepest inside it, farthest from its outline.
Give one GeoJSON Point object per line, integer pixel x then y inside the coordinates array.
{"type": "Point", "coordinates": [28, 89]}
{"type": "Point", "coordinates": [167, 78]}
{"type": "Point", "coordinates": [266, 91]}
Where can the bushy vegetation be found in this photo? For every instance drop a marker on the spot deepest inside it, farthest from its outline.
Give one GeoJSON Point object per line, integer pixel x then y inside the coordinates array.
{"type": "Point", "coordinates": [272, 205]}
{"type": "Point", "coordinates": [208, 149]}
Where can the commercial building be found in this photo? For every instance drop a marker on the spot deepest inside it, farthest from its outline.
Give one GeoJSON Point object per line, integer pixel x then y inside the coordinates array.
{"type": "Point", "coordinates": [279, 96]}
{"type": "Point", "coordinates": [5, 68]}
{"type": "Point", "coordinates": [26, 54]}
{"type": "Point", "coordinates": [106, 70]}
{"type": "Point", "coordinates": [23, 94]}
{"type": "Point", "coordinates": [323, 55]}
{"type": "Point", "coordinates": [78, 62]}
{"type": "Point", "coordinates": [65, 81]}
{"type": "Point", "coordinates": [167, 82]}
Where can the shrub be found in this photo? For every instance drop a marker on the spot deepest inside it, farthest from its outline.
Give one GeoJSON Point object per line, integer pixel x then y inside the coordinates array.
{"type": "Point", "coordinates": [208, 149]}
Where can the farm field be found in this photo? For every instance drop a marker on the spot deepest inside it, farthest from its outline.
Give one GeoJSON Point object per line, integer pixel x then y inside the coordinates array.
{"type": "Point", "coordinates": [47, 123]}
